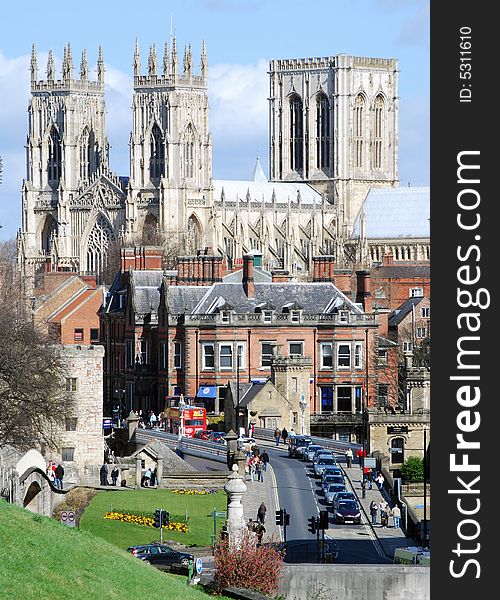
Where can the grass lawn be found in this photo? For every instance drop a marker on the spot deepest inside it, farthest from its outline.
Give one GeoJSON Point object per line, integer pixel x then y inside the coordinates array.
{"type": "Point", "coordinates": [44, 560]}
{"type": "Point", "coordinates": [198, 507]}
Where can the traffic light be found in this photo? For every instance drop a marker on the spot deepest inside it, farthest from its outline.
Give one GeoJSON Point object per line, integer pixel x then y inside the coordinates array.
{"type": "Point", "coordinates": [287, 518]}
{"type": "Point", "coordinates": [323, 519]}
{"type": "Point", "coordinates": [279, 517]}
{"type": "Point", "coordinates": [312, 524]}
{"type": "Point", "coordinates": [158, 518]}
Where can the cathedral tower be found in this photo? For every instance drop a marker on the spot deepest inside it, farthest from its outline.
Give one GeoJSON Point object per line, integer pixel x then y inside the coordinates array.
{"type": "Point", "coordinates": [333, 124]}
{"type": "Point", "coordinates": [171, 149]}
{"type": "Point", "coordinates": [71, 202]}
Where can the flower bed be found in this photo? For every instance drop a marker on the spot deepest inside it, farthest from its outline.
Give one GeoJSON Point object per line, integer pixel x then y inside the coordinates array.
{"type": "Point", "coordinates": [193, 492]}
{"type": "Point", "coordinates": [146, 521]}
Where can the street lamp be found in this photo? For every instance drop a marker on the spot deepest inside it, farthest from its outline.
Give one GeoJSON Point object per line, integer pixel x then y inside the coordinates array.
{"type": "Point", "coordinates": [302, 405]}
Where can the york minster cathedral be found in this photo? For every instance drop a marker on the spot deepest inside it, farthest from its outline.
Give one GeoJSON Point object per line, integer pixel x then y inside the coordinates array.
{"type": "Point", "coordinates": [333, 138]}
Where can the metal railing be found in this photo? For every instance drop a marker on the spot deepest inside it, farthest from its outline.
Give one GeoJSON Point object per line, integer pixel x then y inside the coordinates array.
{"type": "Point", "coordinates": [192, 446]}
{"type": "Point", "coordinates": [336, 445]}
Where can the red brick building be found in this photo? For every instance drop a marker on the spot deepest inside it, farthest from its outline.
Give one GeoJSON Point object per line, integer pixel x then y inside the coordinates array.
{"type": "Point", "coordinates": [168, 334]}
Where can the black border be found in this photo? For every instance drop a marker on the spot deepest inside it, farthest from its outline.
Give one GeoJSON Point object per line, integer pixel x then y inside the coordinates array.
{"type": "Point", "coordinates": [460, 126]}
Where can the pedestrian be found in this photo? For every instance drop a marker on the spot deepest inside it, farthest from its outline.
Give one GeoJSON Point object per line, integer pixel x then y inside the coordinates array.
{"type": "Point", "coordinates": [114, 475]}
{"type": "Point", "coordinates": [259, 469]}
{"type": "Point", "coordinates": [59, 474]}
{"type": "Point", "coordinates": [104, 474]}
{"type": "Point", "coordinates": [261, 513]}
{"type": "Point", "coordinates": [259, 529]}
{"type": "Point", "coordinates": [384, 513]}
{"type": "Point", "coordinates": [291, 433]}
{"type": "Point", "coordinates": [379, 479]}
{"type": "Point", "coordinates": [264, 457]}
{"type": "Point", "coordinates": [373, 511]}
{"type": "Point", "coordinates": [348, 456]}
{"type": "Point", "coordinates": [153, 420]}
{"type": "Point", "coordinates": [250, 525]}
{"type": "Point", "coordinates": [284, 435]}
{"type": "Point", "coordinates": [147, 477]}
{"type": "Point", "coordinates": [277, 435]}
{"type": "Point", "coordinates": [251, 467]}
{"type": "Point", "coordinates": [154, 476]}
{"type": "Point", "coordinates": [396, 515]}
{"type": "Point", "coordinates": [51, 474]}
{"type": "Point", "coordinates": [369, 477]}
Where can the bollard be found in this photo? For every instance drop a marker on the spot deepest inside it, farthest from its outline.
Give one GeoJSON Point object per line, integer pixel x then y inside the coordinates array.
{"type": "Point", "coordinates": [190, 570]}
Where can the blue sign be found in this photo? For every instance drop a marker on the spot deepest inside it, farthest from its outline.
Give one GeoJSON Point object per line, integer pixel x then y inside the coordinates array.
{"type": "Point", "coordinates": [207, 391]}
{"type": "Point", "coordinates": [199, 566]}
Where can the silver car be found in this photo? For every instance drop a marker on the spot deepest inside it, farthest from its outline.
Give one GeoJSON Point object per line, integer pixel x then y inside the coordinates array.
{"type": "Point", "coordinates": [322, 463]}
{"type": "Point", "coordinates": [332, 490]}
{"type": "Point", "coordinates": [310, 451]}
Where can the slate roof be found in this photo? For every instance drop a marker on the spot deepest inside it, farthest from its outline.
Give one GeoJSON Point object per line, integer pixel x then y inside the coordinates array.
{"type": "Point", "coordinates": [146, 290]}
{"type": "Point", "coordinates": [402, 311]}
{"type": "Point", "coordinates": [312, 297]}
{"type": "Point", "coordinates": [402, 271]}
{"type": "Point", "coordinates": [259, 276]}
{"type": "Point", "coordinates": [401, 212]}
{"type": "Point", "coordinates": [184, 298]}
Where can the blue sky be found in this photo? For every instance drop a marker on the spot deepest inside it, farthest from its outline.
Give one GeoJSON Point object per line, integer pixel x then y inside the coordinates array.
{"type": "Point", "coordinates": [241, 37]}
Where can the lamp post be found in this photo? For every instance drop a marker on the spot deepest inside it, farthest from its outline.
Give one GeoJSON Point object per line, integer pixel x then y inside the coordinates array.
{"type": "Point", "coordinates": [302, 405]}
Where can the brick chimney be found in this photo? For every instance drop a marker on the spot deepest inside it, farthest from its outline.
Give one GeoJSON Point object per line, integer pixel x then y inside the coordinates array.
{"type": "Point", "coordinates": [247, 281]}
{"type": "Point", "coordinates": [388, 259]}
{"type": "Point", "coordinates": [142, 258]}
{"type": "Point", "coordinates": [363, 292]}
{"type": "Point", "coordinates": [323, 268]}
{"type": "Point", "coordinates": [280, 276]}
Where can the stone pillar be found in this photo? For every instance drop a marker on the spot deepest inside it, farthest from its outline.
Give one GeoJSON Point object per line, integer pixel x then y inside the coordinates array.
{"type": "Point", "coordinates": [138, 472]}
{"type": "Point", "coordinates": [231, 447]}
{"type": "Point", "coordinates": [132, 422]}
{"type": "Point", "coordinates": [159, 473]}
{"type": "Point", "coordinates": [235, 488]}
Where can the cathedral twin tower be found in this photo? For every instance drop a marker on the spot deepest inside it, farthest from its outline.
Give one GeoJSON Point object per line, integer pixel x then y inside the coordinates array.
{"type": "Point", "coordinates": [333, 135]}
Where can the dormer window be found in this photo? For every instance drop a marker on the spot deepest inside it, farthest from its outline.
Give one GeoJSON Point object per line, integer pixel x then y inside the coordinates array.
{"type": "Point", "coordinates": [267, 316]}
{"type": "Point", "coordinates": [295, 316]}
{"type": "Point", "coordinates": [225, 316]}
{"type": "Point", "coordinates": [343, 316]}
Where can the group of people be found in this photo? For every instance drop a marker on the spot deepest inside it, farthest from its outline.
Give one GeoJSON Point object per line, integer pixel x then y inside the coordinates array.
{"type": "Point", "coordinates": [256, 464]}
{"type": "Point", "coordinates": [283, 435]}
{"type": "Point", "coordinates": [55, 474]}
{"type": "Point", "coordinates": [104, 472]}
{"type": "Point", "coordinates": [149, 478]}
{"type": "Point", "coordinates": [257, 526]}
{"type": "Point", "coordinates": [385, 512]}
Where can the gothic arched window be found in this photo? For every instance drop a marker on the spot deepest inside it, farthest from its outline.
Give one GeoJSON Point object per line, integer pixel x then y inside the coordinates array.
{"type": "Point", "coordinates": [296, 134]}
{"type": "Point", "coordinates": [156, 154]}
{"type": "Point", "coordinates": [189, 153]}
{"type": "Point", "coordinates": [194, 235]}
{"type": "Point", "coordinates": [378, 132]}
{"type": "Point", "coordinates": [88, 154]}
{"type": "Point", "coordinates": [150, 230]}
{"type": "Point", "coordinates": [49, 229]}
{"type": "Point", "coordinates": [359, 130]}
{"type": "Point", "coordinates": [101, 235]}
{"type": "Point", "coordinates": [54, 170]}
{"type": "Point", "coordinates": [322, 132]}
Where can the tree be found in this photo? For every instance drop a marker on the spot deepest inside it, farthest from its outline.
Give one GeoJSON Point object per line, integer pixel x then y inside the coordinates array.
{"type": "Point", "coordinates": [33, 399]}
{"type": "Point", "coordinates": [413, 469]}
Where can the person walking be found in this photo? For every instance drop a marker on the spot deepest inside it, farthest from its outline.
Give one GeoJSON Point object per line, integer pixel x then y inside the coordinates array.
{"type": "Point", "coordinates": [51, 474]}
{"type": "Point", "coordinates": [153, 420]}
{"type": "Point", "coordinates": [114, 474]}
{"type": "Point", "coordinates": [154, 476]}
{"type": "Point", "coordinates": [259, 469]}
{"type": "Point", "coordinates": [373, 511]}
{"type": "Point", "coordinates": [396, 516]}
{"type": "Point", "coordinates": [348, 456]}
{"type": "Point", "coordinates": [379, 479]}
{"type": "Point", "coordinates": [261, 513]}
{"type": "Point", "coordinates": [277, 436]}
{"type": "Point", "coordinates": [384, 514]}
{"type": "Point", "coordinates": [284, 435]}
{"type": "Point", "coordinates": [264, 457]}
{"type": "Point", "coordinates": [147, 477]}
{"type": "Point", "coordinates": [59, 474]}
{"type": "Point", "coordinates": [251, 467]}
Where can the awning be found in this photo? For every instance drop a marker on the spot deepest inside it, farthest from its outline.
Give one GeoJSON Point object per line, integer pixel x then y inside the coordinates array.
{"type": "Point", "coordinates": [207, 391]}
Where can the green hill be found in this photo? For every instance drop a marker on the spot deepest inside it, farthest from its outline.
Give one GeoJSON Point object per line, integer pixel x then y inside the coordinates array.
{"type": "Point", "coordinates": [41, 559]}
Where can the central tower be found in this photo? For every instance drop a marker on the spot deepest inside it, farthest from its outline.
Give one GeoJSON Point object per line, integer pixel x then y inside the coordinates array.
{"type": "Point", "coordinates": [170, 185]}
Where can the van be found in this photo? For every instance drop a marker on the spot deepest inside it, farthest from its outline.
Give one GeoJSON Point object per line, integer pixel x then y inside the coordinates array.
{"type": "Point", "coordinates": [412, 555]}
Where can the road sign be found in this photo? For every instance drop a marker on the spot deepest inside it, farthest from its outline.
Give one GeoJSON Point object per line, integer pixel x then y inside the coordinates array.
{"type": "Point", "coordinates": [221, 513]}
{"type": "Point", "coordinates": [370, 463]}
{"type": "Point", "coordinates": [199, 566]}
{"type": "Point", "coordinates": [64, 516]}
{"type": "Point", "coordinates": [68, 518]}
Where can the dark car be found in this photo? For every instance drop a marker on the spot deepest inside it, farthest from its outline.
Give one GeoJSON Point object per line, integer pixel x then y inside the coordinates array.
{"type": "Point", "coordinates": [332, 490]}
{"type": "Point", "coordinates": [218, 437]}
{"type": "Point", "coordinates": [329, 479]}
{"type": "Point", "coordinates": [297, 441]}
{"type": "Point", "coordinates": [346, 511]}
{"type": "Point", "coordinates": [162, 556]}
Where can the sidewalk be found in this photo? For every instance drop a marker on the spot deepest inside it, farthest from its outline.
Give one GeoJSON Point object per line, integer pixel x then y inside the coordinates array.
{"type": "Point", "coordinates": [389, 538]}
{"type": "Point", "coordinates": [266, 492]}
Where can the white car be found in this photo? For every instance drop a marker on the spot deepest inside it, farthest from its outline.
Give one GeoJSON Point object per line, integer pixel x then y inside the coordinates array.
{"type": "Point", "coordinates": [246, 443]}
{"type": "Point", "coordinates": [322, 463]}
{"type": "Point", "coordinates": [310, 451]}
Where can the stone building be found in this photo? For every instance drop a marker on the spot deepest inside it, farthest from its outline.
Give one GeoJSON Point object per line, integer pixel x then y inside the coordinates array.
{"type": "Point", "coordinates": [333, 136]}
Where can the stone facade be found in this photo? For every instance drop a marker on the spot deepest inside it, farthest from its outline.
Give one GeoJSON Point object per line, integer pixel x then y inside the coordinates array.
{"type": "Point", "coordinates": [81, 446]}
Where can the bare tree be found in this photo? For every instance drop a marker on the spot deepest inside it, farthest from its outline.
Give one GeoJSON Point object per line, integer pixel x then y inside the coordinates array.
{"type": "Point", "coordinates": [32, 372]}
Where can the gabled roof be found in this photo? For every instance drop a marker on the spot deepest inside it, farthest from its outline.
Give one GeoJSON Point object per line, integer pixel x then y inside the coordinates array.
{"type": "Point", "coordinates": [263, 191]}
{"type": "Point", "coordinates": [402, 271]}
{"type": "Point", "coordinates": [405, 309]}
{"type": "Point", "coordinates": [145, 286]}
{"type": "Point", "coordinates": [391, 213]}
{"type": "Point", "coordinates": [64, 311]}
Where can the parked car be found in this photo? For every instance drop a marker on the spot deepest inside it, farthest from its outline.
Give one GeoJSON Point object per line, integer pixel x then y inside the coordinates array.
{"type": "Point", "coordinates": [321, 453]}
{"type": "Point", "coordinates": [322, 463]}
{"type": "Point", "coordinates": [202, 434]}
{"type": "Point", "coordinates": [332, 489]}
{"type": "Point", "coordinates": [218, 437]}
{"type": "Point", "coordinates": [162, 556]}
{"type": "Point", "coordinates": [297, 441]}
{"type": "Point", "coordinates": [344, 496]}
{"type": "Point", "coordinates": [328, 479]}
{"type": "Point", "coordinates": [346, 511]}
{"type": "Point", "coordinates": [310, 451]}
{"type": "Point", "coordinates": [246, 443]}
{"type": "Point", "coordinates": [300, 449]}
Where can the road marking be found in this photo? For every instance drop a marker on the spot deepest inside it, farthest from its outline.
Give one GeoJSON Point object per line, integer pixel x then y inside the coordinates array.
{"type": "Point", "coordinates": [276, 497]}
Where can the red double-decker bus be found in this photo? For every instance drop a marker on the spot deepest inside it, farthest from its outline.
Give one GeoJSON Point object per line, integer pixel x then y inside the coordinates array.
{"type": "Point", "coordinates": [186, 420]}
